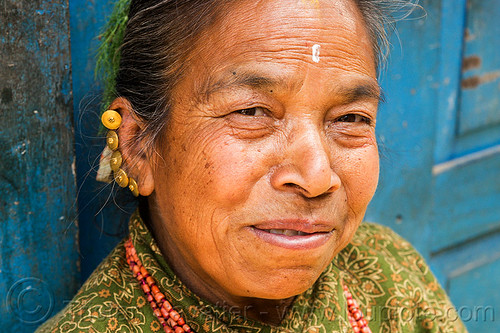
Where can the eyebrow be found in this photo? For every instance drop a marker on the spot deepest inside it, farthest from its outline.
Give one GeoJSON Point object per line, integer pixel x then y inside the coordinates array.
{"type": "Point", "coordinates": [367, 89]}
{"type": "Point", "coordinates": [240, 80]}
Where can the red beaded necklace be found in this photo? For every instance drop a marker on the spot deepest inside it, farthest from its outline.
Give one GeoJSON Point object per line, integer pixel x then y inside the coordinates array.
{"type": "Point", "coordinates": [356, 318]}
{"type": "Point", "coordinates": [171, 320]}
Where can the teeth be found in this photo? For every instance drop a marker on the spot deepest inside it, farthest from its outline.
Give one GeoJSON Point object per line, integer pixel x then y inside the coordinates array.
{"type": "Point", "coordinates": [287, 232]}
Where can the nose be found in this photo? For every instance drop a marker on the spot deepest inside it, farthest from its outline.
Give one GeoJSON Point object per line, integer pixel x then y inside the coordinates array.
{"type": "Point", "coordinates": [306, 168]}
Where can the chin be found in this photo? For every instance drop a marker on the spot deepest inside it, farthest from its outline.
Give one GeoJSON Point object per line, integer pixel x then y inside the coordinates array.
{"type": "Point", "coordinates": [286, 284]}
{"type": "Point", "coordinates": [283, 291]}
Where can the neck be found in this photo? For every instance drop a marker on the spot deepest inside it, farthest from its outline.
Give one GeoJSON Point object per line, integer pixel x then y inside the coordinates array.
{"type": "Point", "coordinates": [269, 311]}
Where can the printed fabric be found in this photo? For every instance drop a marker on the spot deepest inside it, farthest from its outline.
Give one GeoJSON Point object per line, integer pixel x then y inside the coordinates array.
{"type": "Point", "coordinates": [391, 282]}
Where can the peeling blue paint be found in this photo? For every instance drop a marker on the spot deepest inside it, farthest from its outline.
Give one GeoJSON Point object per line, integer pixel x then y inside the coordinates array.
{"type": "Point", "coordinates": [36, 180]}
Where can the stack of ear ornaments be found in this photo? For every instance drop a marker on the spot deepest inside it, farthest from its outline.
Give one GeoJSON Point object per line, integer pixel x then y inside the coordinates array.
{"type": "Point", "coordinates": [111, 158]}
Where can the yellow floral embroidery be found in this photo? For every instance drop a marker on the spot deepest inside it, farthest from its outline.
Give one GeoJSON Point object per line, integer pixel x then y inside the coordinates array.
{"type": "Point", "coordinates": [112, 323]}
{"type": "Point", "coordinates": [104, 293]}
{"type": "Point", "coordinates": [141, 301]}
{"type": "Point", "coordinates": [155, 326]}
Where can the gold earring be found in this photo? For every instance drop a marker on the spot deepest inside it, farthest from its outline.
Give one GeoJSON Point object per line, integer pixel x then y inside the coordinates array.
{"type": "Point", "coordinates": [115, 161]}
{"type": "Point", "coordinates": [112, 140]}
{"type": "Point", "coordinates": [112, 121]}
{"type": "Point", "coordinates": [121, 178]}
{"type": "Point", "coordinates": [132, 185]}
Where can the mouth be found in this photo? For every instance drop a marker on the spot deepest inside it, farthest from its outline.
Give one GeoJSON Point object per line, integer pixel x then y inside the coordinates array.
{"type": "Point", "coordinates": [286, 232]}
{"type": "Point", "coordinates": [296, 235]}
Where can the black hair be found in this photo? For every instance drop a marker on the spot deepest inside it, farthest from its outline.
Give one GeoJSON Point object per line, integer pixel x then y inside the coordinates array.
{"type": "Point", "coordinates": [161, 33]}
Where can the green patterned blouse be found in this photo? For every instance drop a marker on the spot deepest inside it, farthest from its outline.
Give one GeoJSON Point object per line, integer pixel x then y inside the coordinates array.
{"type": "Point", "coordinates": [389, 279]}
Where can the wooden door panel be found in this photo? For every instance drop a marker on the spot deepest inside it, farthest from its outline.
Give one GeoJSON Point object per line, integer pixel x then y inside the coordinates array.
{"type": "Point", "coordinates": [474, 299]}
{"type": "Point", "coordinates": [100, 222]}
{"type": "Point", "coordinates": [466, 186]}
{"type": "Point", "coordinates": [478, 114]}
{"type": "Point", "coordinates": [480, 85]}
{"type": "Point", "coordinates": [38, 223]}
{"type": "Point", "coordinates": [469, 272]}
{"type": "Point", "coordinates": [467, 198]}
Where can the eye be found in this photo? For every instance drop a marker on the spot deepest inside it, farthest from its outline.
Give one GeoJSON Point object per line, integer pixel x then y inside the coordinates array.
{"type": "Point", "coordinates": [354, 118]}
{"type": "Point", "coordinates": [256, 111]}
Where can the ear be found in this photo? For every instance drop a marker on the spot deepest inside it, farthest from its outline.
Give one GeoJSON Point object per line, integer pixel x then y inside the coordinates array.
{"type": "Point", "coordinates": [134, 152]}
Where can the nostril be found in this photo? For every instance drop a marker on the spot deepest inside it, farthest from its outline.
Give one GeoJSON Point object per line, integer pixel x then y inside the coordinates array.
{"type": "Point", "coordinates": [303, 191]}
{"type": "Point", "coordinates": [294, 186]}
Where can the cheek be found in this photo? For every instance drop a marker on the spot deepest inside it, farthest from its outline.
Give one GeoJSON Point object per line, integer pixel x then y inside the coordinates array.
{"type": "Point", "coordinates": [361, 178]}
{"type": "Point", "coordinates": [233, 169]}
{"type": "Point", "coordinates": [217, 170]}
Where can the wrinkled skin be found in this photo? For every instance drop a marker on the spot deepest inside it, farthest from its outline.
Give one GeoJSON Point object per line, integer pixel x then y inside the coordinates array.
{"type": "Point", "coordinates": [260, 132]}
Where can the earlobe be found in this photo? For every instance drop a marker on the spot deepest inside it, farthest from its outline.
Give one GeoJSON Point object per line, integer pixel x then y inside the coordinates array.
{"type": "Point", "coordinates": [134, 152]}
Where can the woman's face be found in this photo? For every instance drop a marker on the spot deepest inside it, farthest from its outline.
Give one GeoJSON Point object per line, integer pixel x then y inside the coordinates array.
{"type": "Point", "coordinates": [269, 159]}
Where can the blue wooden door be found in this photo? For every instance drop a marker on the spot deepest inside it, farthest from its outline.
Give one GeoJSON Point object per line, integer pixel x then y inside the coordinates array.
{"type": "Point", "coordinates": [440, 183]}
{"type": "Point", "coordinates": [38, 226]}
{"type": "Point", "coordinates": [102, 222]}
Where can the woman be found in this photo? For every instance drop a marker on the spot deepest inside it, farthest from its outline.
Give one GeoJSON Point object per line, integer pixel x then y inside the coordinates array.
{"type": "Point", "coordinates": [248, 130]}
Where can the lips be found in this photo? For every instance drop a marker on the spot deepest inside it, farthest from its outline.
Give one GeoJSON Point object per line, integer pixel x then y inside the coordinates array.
{"type": "Point", "coordinates": [293, 234]}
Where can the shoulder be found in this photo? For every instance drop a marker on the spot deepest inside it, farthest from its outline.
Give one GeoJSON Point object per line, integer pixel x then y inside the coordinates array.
{"type": "Point", "coordinates": [373, 234]}
{"type": "Point", "coordinates": [379, 253]}
{"type": "Point", "coordinates": [107, 301]}
{"type": "Point", "coordinates": [394, 284]}
{"type": "Point", "coordinates": [389, 248]}
{"type": "Point", "coordinates": [381, 244]}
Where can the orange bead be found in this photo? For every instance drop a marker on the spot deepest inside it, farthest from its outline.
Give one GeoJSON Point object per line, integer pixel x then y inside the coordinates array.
{"type": "Point", "coordinates": [168, 329]}
{"type": "Point", "coordinates": [357, 314]}
{"type": "Point", "coordinates": [179, 329]}
{"type": "Point", "coordinates": [167, 306]}
{"type": "Point", "coordinates": [181, 321]}
{"type": "Point", "coordinates": [174, 315]}
{"type": "Point", "coordinates": [154, 289]}
{"type": "Point", "coordinates": [158, 297]}
{"type": "Point", "coordinates": [164, 312]}
{"type": "Point", "coordinates": [145, 288]}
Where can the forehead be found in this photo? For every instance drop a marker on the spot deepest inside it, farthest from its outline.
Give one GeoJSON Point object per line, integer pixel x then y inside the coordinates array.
{"type": "Point", "coordinates": [281, 35]}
